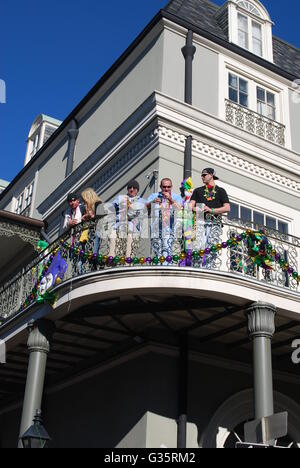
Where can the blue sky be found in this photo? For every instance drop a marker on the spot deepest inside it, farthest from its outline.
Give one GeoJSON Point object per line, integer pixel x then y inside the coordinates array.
{"type": "Point", "coordinates": [51, 54]}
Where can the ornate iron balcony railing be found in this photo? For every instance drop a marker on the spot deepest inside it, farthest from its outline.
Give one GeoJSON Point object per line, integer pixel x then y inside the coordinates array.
{"type": "Point", "coordinates": [212, 245]}
{"type": "Point", "coordinates": [252, 122]}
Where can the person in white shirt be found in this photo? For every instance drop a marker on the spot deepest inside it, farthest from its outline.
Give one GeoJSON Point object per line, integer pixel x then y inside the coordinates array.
{"type": "Point", "coordinates": [129, 210]}
{"type": "Point", "coordinates": [75, 211]}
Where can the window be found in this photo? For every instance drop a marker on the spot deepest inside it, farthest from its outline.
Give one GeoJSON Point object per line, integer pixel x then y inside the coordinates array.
{"type": "Point", "coordinates": [252, 41]}
{"type": "Point", "coordinates": [257, 45]}
{"type": "Point", "coordinates": [246, 215]}
{"type": "Point", "coordinates": [243, 31]}
{"type": "Point", "coordinates": [35, 140]}
{"type": "Point", "coordinates": [258, 219]}
{"type": "Point", "coordinates": [249, 7]}
{"type": "Point", "coordinates": [250, 27]}
{"type": "Point", "coordinates": [19, 204]}
{"type": "Point", "coordinates": [24, 201]}
{"type": "Point", "coordinates": [266, 103]}
{"type": "Point", "coordinates": [239, 256]}
{"type": "Point", "coordinates": [238, 90]}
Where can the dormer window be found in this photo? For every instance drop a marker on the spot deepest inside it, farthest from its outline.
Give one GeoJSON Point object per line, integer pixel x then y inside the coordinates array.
{"type": "Point", "coordinates": [250, 27]}
{"type": "Point", "coordinates": [250, 34]}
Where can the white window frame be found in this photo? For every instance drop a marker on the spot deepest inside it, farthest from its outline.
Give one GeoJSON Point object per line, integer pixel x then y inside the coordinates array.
{"type": "Point", "coordinates": [265, 104]}
{"type": "Point", "coordinates": [264, 20]}
{"type": "Point", "coordinates": [35, 143]}
{"type": "Point", "coordinates": [249, 32]}
{"type": "Point", "coordinates": [239, 92]}
{"type": "Point", "coordinates": [24, 200]}
{"type": "Point", "coordinates": [253, 84]}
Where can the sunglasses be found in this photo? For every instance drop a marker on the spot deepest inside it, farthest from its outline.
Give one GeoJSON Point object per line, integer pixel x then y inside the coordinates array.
{"type": "Point", "coordinates": [166, 186]}
{"type": "Point", "coordinates": [204, 175]}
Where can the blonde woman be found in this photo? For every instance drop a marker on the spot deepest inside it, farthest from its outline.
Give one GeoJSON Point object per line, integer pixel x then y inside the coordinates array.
{"type": "Point", "coordinates": [90, 199]}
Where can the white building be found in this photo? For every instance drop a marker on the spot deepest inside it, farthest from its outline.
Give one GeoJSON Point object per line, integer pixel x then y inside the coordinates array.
{"type": "Point", "coordinates": [152, 355]}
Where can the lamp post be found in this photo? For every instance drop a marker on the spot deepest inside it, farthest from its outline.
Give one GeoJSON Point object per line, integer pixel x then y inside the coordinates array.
{"type": "Point", "coordinates": [36, 436]}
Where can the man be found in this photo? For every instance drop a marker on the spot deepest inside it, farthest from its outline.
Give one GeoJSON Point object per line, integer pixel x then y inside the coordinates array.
{"type": "Point", "coordinates": [75, 211]}
{"type": "Point", "coordinates": [166, 203]}
{"type": "Point", "coordinates": [214, 198]}
{"type": "Point", "coordinates": [212, 201]}
{"type": "Point", "coordinates": [129, 209]}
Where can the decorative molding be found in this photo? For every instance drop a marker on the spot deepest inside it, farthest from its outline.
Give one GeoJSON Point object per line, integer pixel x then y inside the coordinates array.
{"type": "Point", "coordinates": [127, 158]}
{"type": "Point", "coordinates": [227, 159]}
{"type": "Point", "coordinates": [40, 334]}
{"type": "Point", "coordinates": [254, 123]}
{"type": "Point", "coordinates": [261, 320]}
{"type": "Point", "coordinates": [27, 235]}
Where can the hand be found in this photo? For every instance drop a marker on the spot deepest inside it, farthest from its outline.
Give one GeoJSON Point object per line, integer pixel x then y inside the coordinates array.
{"type": "Point", "coordinates": [207, 209]}
{"type": "Point", "coordinates": [73, 222]}
{"type": "Point", "coordinates": [168, 196]}
{"type": "Point", "coordinates": [158, 200]}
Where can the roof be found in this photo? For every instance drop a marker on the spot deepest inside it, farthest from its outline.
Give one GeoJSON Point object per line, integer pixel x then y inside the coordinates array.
{"type": "Point", "coordinates": [19, 219]}
{"type": "Point", "coordinates": [3, 183]}
{"type": "Point", "coordinates": [203, 14]}
{"type": "Point", "coordinates": [47, 118]}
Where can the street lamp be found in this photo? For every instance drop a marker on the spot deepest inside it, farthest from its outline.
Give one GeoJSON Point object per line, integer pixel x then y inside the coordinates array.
{"type": "Point", "coordinates": [36, 436]}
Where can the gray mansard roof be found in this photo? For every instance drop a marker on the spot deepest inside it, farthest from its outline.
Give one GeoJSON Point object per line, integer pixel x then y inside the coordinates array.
{"type": "Point", "coordinates": [205, 15]}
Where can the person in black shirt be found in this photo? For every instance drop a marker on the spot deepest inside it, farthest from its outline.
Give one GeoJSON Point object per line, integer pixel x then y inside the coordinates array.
{"type": "Point", "coordinates": [214, 202]}
{"type": "Point", "coordinates": [214, 198]}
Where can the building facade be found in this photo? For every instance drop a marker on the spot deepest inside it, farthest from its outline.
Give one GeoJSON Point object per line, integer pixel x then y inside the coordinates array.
{"type": "Point", "coordinates": [141, 354]}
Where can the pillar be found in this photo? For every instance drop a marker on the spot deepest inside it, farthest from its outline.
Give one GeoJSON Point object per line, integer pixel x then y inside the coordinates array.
{"type": "Point", "coordinates": [183, 392]}
{"type": "Point", "coordinates": [40, 333]}
{"type": "Point", "coordinates": [261, 325]}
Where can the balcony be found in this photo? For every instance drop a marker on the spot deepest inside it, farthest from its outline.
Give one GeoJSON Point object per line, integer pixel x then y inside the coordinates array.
{"type": "Point", "coordinates": [254, 123]}
{"type": "Point", "coordinates": [228, 250]}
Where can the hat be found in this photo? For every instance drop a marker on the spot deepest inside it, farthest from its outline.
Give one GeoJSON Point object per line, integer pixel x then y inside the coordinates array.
{"type": "Point", "coordinates": [72, 197]}
{"type": "Point", "coordinates": [134, 184]}
{"type": "Point", "coordinates": [211, 171]}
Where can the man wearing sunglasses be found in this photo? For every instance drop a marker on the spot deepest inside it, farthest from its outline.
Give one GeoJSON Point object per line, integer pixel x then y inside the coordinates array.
{"type": "Point", "coordinates": [214, 198]}
{"type": "Point", "coordinates": [213, 201]}
{"type": "Point", "coordinates": [164, 205]}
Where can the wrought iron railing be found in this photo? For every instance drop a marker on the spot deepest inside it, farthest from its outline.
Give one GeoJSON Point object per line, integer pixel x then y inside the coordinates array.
{"type": "Point", "coordinates": [255, 123]}
{"type": "Point", "coordinates": [212, 245]}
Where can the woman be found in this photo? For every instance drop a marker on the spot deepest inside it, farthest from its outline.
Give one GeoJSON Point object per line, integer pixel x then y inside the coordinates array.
{"type": "Point", "coordinates": [90, 199]}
